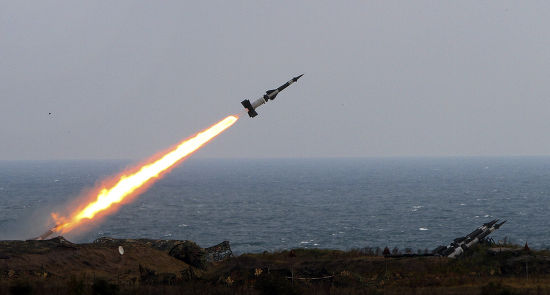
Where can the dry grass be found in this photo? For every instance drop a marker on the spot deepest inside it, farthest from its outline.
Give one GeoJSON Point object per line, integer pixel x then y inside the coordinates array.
{"type": "Point", "coordinates": [94, 269]}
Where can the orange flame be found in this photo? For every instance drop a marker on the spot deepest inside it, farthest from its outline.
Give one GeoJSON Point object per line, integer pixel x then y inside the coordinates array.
{"type": "Point", "coordinates": [128, 185]}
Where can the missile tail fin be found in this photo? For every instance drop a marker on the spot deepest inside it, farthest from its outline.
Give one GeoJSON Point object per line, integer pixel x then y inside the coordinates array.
{"type": "Point", "coordinates": [248, 106]}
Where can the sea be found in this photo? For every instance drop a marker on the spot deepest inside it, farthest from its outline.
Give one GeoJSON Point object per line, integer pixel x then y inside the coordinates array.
{"type": "Point", "coordinates": [277, 204]}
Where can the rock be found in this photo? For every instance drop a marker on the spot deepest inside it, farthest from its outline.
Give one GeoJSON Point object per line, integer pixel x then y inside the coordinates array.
{"type": "Point", "coordinates": [190, 253]}
{"type": "Point", "coordinates": [219, 252]}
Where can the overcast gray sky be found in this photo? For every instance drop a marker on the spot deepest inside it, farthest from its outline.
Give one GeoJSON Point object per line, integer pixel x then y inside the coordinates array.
{"type": "Point", "coordinates": [125, 79]}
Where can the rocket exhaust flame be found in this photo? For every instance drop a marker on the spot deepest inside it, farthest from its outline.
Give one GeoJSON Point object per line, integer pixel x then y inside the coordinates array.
{"type": "Point", "coordinates": [129, 185]}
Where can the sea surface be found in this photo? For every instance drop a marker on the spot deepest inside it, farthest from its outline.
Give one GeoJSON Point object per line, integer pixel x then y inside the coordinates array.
{"type": "Point", "coordinates": [279, 204]}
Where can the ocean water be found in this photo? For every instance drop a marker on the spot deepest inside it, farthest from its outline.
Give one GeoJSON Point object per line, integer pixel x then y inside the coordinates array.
{"type": "Point", "coordinates": [286, 203]}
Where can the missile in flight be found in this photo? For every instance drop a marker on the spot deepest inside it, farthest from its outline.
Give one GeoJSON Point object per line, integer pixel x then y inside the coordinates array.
{"type": "Point", "coordinates": [269, 95]}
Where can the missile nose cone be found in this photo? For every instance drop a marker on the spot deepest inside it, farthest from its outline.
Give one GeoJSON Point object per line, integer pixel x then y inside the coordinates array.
{"type": "Point", "coordinates": [296, 78]}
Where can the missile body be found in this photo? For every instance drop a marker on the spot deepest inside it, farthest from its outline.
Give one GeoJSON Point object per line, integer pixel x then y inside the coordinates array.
{"type": "Point", "coordinates": [484, 234]}
{"type": "Point", "coordinates": [459, 245]}
{"type": "Point", "coordinates": [269, 95]}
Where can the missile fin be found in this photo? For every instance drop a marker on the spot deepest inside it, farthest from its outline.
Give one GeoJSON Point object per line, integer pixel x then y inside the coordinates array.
{"type": "Point", "coordinates": [252, 113]}
{"type": "Point", "coordinates": [248, 106]}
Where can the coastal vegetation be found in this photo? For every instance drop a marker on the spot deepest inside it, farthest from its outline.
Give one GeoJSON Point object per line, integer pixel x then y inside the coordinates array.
{"type": "Point", "coordinates": [46, 267]}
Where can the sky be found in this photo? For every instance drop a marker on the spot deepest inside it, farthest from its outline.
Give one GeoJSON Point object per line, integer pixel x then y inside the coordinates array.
{"type": "Point", "coordinates": [127, 79]}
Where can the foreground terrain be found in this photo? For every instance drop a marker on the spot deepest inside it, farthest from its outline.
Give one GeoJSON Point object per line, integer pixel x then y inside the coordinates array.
{"type": "Point", "coordinates": [58, 266]}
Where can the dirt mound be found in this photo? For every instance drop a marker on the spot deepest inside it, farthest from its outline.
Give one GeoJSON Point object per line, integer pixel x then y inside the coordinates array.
{"type": "Point", "coordinates": [62, 259]}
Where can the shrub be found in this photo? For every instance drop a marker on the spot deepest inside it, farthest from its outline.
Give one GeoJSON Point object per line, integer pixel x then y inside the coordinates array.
{"type": "Point", "coordinates": [496, 289]}
{"type": "Point", "coordinates": [75, 286]}
{"type": "Point", "coordinates": [275, 285]}
{"type": "Point", "coordinates": [21, 288]}
{"type": "Point", "coordinates": [190, 253]}
{"type": "Point", "coordinates": [102, 287]}
{"type": "Point", "coordinates": [395, 251]}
